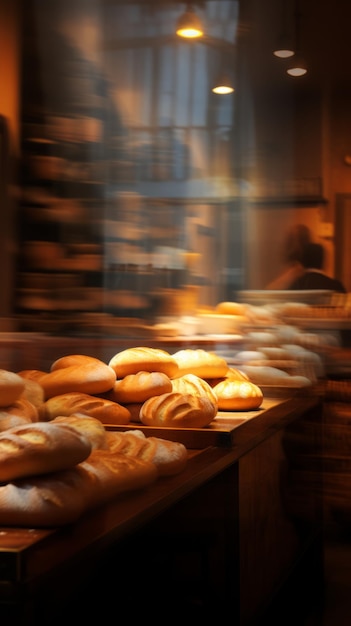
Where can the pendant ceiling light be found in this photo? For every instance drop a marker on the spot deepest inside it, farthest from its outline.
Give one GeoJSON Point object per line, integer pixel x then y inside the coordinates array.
{"type": "Point", "coordinates": [189, 24]}
{"type": "Point", "coordinates": [297, 66]}
{"type": "Point", "coordinates": [285, 47]}
{"type": "Point", "coordinates": [223, 85]}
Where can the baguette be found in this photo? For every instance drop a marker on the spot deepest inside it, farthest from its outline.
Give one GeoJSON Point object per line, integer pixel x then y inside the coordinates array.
{"type": "Point", "coordinates": [107, 411]}
{"type": "Point", "coordinates": [39, 448]}
{"type": "Point", "coordinates": [170, 457]}
{"type": "Point", "coordinates": [64, 496]}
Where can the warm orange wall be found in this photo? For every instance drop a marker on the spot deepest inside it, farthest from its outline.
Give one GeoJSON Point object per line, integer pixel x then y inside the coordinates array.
{"type": "Point", "coordinates": [9, 108]}
{"type": "Point", "coordinates": [9, 66]}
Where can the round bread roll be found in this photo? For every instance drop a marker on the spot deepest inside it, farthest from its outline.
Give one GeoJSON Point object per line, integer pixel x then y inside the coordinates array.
{"type": "Point", "coordinates": [200, 362]}
{"type": "Point", "coordinates": [139, 387]}
{"type": "Point", "coordinates": [190, 383]}
{"type": "Point", "coordinates": [11, 387]}
{"type": "Point", "coordinates": [86, 375]}
{"type": "Point", "coordinates": [40, 448]}
{"type": "Point", "coordinates": [107, 411]}
{"type": "Point", "coordinates": [89, 426]}
{"type": "Point", "coordinates": [238, 395]}
{"type": "Point", "coordinates": [178, 410]}
{"type": "Point", "coordinates": [134, 360]}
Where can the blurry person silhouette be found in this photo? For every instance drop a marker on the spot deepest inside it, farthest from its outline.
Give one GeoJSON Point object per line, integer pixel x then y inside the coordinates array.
{"type": "Point", "coordinates": [297, 238]}
{"type": "Point", "coordinates": [314, 276]}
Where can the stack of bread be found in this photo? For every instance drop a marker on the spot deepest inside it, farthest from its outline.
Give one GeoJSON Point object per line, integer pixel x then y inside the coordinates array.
{"type": "Point", "coordinates": [58, 457]}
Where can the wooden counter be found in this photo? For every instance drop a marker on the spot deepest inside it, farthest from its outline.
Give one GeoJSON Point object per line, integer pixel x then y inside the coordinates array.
{"type": "Point", "coordinates": [221, 536]}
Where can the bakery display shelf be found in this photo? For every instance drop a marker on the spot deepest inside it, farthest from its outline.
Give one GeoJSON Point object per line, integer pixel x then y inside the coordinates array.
{"type": "Point", "coordinates": [27, 553]}
{"type": "Point", "coordinates": [229, 427]}
{"type": "Point", "coordinates": [316, 323]}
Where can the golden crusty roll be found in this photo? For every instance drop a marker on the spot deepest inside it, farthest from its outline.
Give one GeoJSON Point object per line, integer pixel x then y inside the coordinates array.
{"type": "Point", "coordinates": [134, 360]}
{"type": "Point", "coordinates": [170, 457]}
{"type": "Point", "coordinates": [62, 497]}
{"type": "Point", "coordinates": [190, 383]}
{"type": "Point", "coordinates": [90, 427]}
{"type": "Point", "coordinates": [107, 411]}
{"type": "Point", "coordinates": [200, 362]}
{"type": "Point", "coordinates": [238, 395]}
{"type": "Point", "coordinates": [11, 387]}
{"type": "Point", "coordinates": [178, 410]}
{"type": "Point", "coordinates": [39, 448]}
{"type": "Point", "coordinates": [85, 374]}
{"type": "Point", "coordinates": [139, 387]}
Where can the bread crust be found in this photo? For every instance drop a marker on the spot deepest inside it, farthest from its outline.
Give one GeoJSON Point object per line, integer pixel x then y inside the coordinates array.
{"type": "Point", "coordinates": [170, 457]}
{"type": "Point", "coordinates": [91, 377]}
{"type": "Point", "coordinates": [238, 395]}
{"type": "Point", "coordinates": [134, 360]}
{"type": "Point", "coordinates": [39, 448]}
{"type": "Point", "coordinates": [139, 387]}
{"type": "Point", "coordinates": [90, 427]}
{"type": "Point", "coordinates": [200, 362]}
{"type": "Point", "coordinates": [107, 411]}
{"type": "Point", "coordinates": [190, 383]}
{"type": "Point", "coordinates": [178, 410]}
{"type": "Point", "coordinates": [62, 497]}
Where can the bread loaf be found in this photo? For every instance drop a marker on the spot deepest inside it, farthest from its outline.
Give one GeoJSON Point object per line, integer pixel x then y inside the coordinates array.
{"type": "Point", "coordinates": [170, 457]}
{"type": "Point", "coordinates": [134, 360]}
{"type": "Point", "coordinates": [238, 395]}
{"type": "Point", "coordinates": [62, 497]}
{"type": "Point", "coordinates": [107, 411]}
{"type": "Point", "coordinates": [200, 362]}
{"type": "Point", "coordinates": [40, 448]}
{"type": "Point", "coordinates": [178, 410]}
{"type": "Point", "coordinates": [77, 373]}
{"type": "Point", "coordinates": [11, 387]}
{"type": "Point", "coordinates": [139, 387]}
